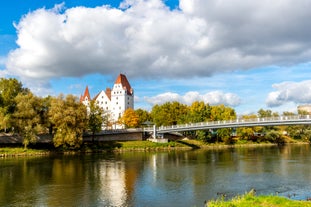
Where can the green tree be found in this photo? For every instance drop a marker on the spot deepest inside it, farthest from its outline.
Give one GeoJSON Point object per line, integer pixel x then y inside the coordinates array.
{"type": "Point", "coordinates": [9, 89]}
{"type": "Point", "coordinates": [95, 119]}
{"type": "Point", "coordinates": [129, 118]}
{"type": "Point", "coordinates": [247, 133]}
{"type": "Point", "coordinates": [169, 113]}
{"type": "Point", "coordinates": [143, 116]}
{"type": "Point", "coordinates": [69, 118]}
{"type": "Point", "coordinates": [274, 137]}
{"type": "Point", "coordinates": [26, 117]}
{"type": "Point", "coordinates": [223, 113]}
{"type": "Point", "coordinates": [198, 112]}
{"type": "Point", "coordinates": [264, 113]}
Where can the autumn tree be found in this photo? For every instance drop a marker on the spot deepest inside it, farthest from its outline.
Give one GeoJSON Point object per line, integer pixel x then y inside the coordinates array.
{"type": "Point", "coordinates": [95, 119]}
{"type": "Point", "coordinates": [143, 116]}
{"type": "Point", "coordinates": [9, 89]}
{"type": "Point", "coordinates": [220, 113]}
{"type": "Point", "coordinates": [247, 133]}
{"type": "Point", "coordinates": [169, 113]}
{"type": "Point", "coordinates": [129, 118]}
{"type": "Point", "coordinates": [198, 112]}
{"type": "Point", "coordinates": [69, 118]}
{"type": "Point", "coordinates": [26, 117]}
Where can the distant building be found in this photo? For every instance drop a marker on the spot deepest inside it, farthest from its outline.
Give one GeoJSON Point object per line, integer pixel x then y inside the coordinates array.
{"type": "Point", "coordinates": [113, 101]}
{"type": "Point", "coordinates": [306, 108]}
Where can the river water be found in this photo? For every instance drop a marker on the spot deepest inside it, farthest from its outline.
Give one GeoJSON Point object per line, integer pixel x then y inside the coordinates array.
{"type": "Point", "coordinates": [175, 178]}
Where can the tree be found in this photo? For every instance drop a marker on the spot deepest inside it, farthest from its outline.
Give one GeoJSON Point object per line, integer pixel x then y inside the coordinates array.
{"type": "Point", "coordinates": [169, 113]}
{"type": "Point", "coordinates": [129, 118]}
{"type": "Point", "coordinates": [69, 118]}
{"type": "Point", "coordinates": [9, 89]}
{"type": "Point", "coordinates": [248, 132]}
{"type": "Point", "coordinates": [26, 117]}
{"type": "Point", "coordinates": [198, 112]}
{"type": "Point", "coordinates": [143, 116]}
{"type": "Point", "coordinates": [219, 113]}
{"type": "Point", "coordinates": [95, 119]}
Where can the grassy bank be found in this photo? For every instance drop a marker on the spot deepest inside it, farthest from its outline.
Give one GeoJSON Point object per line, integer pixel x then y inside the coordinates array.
{"type": "Point", "coordinates": [20, 151]}
{"type": "Point", "coordinates": [119, 146]}
{"type": "Point", "coordinates": [250, 199]}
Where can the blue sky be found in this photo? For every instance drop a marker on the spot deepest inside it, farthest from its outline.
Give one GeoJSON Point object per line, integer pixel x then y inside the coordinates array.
{"type": "Point", "coordinates": [244, 54]}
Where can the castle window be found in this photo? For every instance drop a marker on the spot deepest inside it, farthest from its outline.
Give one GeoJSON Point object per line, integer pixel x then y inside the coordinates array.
{"type": "Point", "coordinates": [120, 107]}
{"type": "Point", "coordinates": [117, 103]}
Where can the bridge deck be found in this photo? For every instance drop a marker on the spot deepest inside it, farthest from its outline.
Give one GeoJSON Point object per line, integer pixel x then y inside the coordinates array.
{"type": "Point", "coordinates": [268, 121]}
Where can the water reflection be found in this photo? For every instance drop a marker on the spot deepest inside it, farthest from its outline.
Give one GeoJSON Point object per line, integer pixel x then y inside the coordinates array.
{"type": "Point", "coordinates": [185, 178]}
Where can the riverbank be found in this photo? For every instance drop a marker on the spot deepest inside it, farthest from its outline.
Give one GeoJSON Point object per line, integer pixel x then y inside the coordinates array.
{"type": "Point", "coordinates": [250, 199]}
{"type": "Point", "coordinates": [119, 146]}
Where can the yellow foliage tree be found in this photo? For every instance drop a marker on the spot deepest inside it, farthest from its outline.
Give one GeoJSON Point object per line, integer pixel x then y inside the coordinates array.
{"type": "Point", "coordinates": [69, 118]}
{"type": "Point", "coordinates": [130, 119]}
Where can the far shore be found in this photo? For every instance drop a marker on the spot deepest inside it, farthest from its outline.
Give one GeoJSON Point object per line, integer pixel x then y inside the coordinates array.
{"type": "Point", "coordinates": [126, 146]}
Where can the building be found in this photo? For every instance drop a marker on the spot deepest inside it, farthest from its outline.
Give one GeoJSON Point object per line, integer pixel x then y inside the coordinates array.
{"type": "Point", "coordinates": [113, 101]}
{"type": "Point", "coordinates": [305, 108]}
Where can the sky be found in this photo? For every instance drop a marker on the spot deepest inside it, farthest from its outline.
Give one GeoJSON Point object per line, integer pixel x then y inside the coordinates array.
{"type": "Point", "coordinates": [248, 55]}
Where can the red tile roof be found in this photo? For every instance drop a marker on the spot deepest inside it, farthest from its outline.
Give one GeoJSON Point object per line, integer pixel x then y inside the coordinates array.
{"type": "Point", "coordinates": [121, 79]}
{"type": "Point", "coordinates": [86, 94]}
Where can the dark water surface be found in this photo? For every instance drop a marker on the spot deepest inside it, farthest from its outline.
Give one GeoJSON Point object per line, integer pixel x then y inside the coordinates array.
{"type": "Point", "coordinates": [185, 178]}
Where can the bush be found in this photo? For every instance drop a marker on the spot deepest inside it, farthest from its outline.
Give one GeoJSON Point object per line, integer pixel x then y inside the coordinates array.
{"type": "Point", "coordinates": [274, 137]}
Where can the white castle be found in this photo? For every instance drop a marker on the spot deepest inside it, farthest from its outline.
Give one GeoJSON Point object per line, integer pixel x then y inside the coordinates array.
{"type": "Point", "coordinates": [113, 101]}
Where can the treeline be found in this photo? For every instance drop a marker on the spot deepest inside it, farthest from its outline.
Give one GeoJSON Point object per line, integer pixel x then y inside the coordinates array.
{"type": "Point", "coordinates": [64, 117]}
{"type": "Point", "coordinates": [27, 115]}
{"type": "Point", "coordinates": [172, 113]}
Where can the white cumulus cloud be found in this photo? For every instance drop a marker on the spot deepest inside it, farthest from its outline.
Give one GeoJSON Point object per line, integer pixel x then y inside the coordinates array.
{"type": "Point", "coordinates": [145, 38]}
{"type": "Point", "coordinates": [213, 98]}
{"type": "Point", "coordinates": [296, 92]}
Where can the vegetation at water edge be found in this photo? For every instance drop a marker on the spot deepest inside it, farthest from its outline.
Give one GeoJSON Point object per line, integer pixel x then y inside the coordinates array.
{"type": "Point", "coordinates": [250, 199]}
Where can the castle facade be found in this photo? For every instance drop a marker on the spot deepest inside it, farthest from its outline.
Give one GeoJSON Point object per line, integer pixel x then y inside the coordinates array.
{"type": "Point", "coordinates": [113, 101]}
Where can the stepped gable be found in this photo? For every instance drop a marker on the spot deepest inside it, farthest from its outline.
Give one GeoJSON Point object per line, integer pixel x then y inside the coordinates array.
{"type": "Point", "coordinates": [121, 79]}
{"type": "Point", "coordinates": [86, 95]}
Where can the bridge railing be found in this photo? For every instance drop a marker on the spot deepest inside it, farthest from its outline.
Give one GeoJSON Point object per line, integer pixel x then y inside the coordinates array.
{"type": "Point", "coordinates": [236, 123]}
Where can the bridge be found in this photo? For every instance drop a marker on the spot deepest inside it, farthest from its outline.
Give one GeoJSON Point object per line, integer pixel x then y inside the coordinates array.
{"type": "Point", "coordinates": [239, 122]}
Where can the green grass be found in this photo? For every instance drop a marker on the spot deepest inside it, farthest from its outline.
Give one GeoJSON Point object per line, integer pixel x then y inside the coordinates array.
{"type": "Point", "coordinates": [250, 199]}
{"type": "Point", "coordinates": [20, 151]}
{"type": "Point", "coordinates": [149, 145]}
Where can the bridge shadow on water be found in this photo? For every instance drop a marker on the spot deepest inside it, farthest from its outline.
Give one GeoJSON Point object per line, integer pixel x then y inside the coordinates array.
{"type": "Point", "coordinates": [193, 146]}
{"type": "Point", "coordinates": [100, 146]}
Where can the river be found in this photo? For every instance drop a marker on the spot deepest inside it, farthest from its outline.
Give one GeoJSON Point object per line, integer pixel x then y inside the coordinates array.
{"type": "Point", "coordinates": [175, 178]}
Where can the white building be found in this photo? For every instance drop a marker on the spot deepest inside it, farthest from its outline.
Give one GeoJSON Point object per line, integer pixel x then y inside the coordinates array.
{"type": "Point", "coordinates": [113, 101]}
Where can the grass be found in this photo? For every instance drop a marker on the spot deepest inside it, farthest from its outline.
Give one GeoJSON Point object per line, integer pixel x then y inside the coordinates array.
{"type": "Point", "coordinates": [20, 151]}
{"type": "Point", "coordinates": [250, 199]}
{"type": "Point", "coordinates": [147, 145]}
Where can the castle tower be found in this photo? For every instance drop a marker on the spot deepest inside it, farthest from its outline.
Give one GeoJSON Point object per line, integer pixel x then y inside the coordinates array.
{"type": "Point", "coordinates": [86, 98]}
{"type": "Point", "coordinates": [122, 97]}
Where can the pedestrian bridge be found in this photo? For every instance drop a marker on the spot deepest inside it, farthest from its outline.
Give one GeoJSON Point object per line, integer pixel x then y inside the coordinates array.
{"type": "Point", "coordinates": [267, 121]}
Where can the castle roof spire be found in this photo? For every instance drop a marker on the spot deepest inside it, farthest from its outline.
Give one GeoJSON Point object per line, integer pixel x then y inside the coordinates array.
{"type": "Point", "coordinates": [86, 95]}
